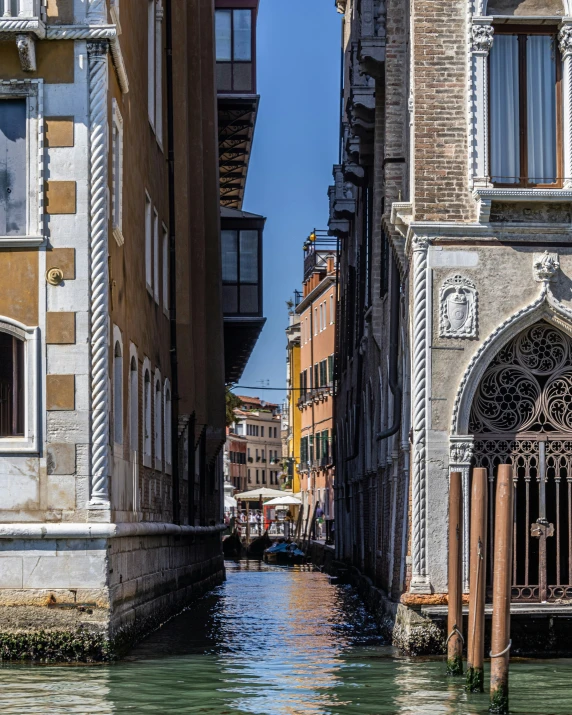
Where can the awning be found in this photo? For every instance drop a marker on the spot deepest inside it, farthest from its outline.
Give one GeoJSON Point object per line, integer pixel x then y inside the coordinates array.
{"type": "Point", "coordinates": [262, 493]}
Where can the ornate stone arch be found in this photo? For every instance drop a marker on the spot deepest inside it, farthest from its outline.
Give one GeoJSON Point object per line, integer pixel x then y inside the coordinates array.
{"type": "Point", "coordinates": [545, 307]}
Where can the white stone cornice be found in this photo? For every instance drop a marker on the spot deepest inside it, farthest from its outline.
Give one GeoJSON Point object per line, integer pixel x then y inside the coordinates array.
{"type": "Point", "coordinates": [99, 279]}
{"type": "Point", "coordinates": [81, 32]}
{"type": "Point", "coordinates": [71, 530]}
{"type": "Point", "coordinates": [13, 25]}
{"type": "Point", "coordinates": [119, 65]}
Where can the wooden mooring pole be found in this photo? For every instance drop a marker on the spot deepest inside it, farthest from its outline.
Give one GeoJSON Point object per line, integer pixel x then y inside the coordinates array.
{"type": "Point", "coordinates": [502, 581]}
{"type": "Point", "coordinates": [455, 585]}
{"type": "Point", "coordinates": [477, 583]}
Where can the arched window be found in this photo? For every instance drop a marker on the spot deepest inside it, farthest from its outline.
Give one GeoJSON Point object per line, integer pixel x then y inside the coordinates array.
{"type": "Point", "coordinates": [12, 381]}
{"type": "Point", "coordinates": [117, 393]}
{"type": "Point", "coordinates": [133, 405]}
{"type": "Point", "coordinates": [147, 417]}
{"type": "Point", "coordinates": [158, 422]}
{"type": "Point", "coordinates": [167, 429]}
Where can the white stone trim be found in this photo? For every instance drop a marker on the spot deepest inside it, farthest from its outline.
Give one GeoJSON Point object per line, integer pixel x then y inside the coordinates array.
{"type": "Point", "coordinates": [158, 423]}
{"type": "Point", "coordinates": [460, 455]}
{"type": "Point", "coordinates": [117, 211]}
{"type": "Point", "coordinates": [565, 45]}
{"type": "Point", "coordinates": [29, 443]}
{"type": "Point", "coordinates": [168, 426]}
{"type": "Point", "coordinates": [32, 25]}
{"type": "Point", "coordinates": [71, 530]}
{"type": "Point", "coordinates": [133, 356]}
{"type": "Point", "coordinates": [99, 278]}
{"type": "Point", "coordinates": [480, 43]}
{"type": "Point", "coordinates": [147, 424]}
{"type": "Point", "coordinates": [33, 91]}
{"type": "Point", "coordinates": [118, 339]}
{"type": "Point", "coordinates": [545, 307]}
{"type": "Point", "coordinates": [419, 580]}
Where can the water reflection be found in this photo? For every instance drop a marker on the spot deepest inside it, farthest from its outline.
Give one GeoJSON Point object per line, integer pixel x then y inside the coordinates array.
{"type": "Point", "coordinates": [272, 641]}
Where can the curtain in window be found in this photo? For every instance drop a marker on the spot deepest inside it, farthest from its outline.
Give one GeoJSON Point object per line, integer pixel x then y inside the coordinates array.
{"type": "Point", "coordinates": [541, 108]}
{"type": "Point", "coordinates": [504, 115]}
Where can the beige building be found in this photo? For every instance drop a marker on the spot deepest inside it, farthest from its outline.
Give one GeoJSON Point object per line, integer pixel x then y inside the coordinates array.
{"type": "Point", "coordinates": [260, 423]}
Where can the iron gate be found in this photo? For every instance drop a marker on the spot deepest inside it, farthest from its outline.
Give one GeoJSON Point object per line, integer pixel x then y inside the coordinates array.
{"type": "Point", "coordinates": [522, 415]}
{"type": "Point", "coordinates": [542, 476]}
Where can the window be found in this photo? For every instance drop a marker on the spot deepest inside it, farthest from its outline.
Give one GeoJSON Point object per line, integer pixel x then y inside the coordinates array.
{"type": "Point", "coordinates": [525, 140]}
{"type": "Point", "coordinates": [318, 439]}
{"type": "Point", "coordinates": [21, 159]}
{"type": "Point", "coordinates": [325, 448]}
{"type": "Point", "coordinates": [249, 477]}
{"type": "Point", "coordinates": [158, 422]}
{"type": "Point", "coordinates": [133, 404]}
{"type": "Point", "coordinates": [264, 476]}
{"type": "Point", "coordinates": [304, 450]}
{"type": "Point", "coordinates": [315, 321]}
{"type": "Point", "coordinates": [323, 373]}
{"type": "Point", "coordinates": [159, 72]}
{"type": "Point", "coordinates": [257, 477]}
{"type": "Point", "coordinates": [332, 310]}
{"type": "Point", "coordinates": [147, 414]}
{"type": "Point", "coordinates": [12, 382]}
{"type": "Point", "coordinates": [311, 448]}
{"type": "Point", "coordinates": [167, 414]}
{"type": "Point", "coordinates": [263, 455]}
{"type": "Point", "coordinates": [262, 431]}
{"type": "Point", "coordinates": [117, 393]}
{"type": "Point", "coordinates": [234, 50]}
{"type": "Point", "coordinates": [148, 244]}
{"type": "Point", "coordinates": [316, 376]}
{"type": "Point", "coordinates": [330, 369]}
{"type": "Point", "coordinates": [240, 272]}
{"type": "Point", "coordinates": [156, 255]}
{"type": "Point", "coordinates": [117, 174]}
{"type": "Point", "coordinates": [165, 270]}
{"type": "Point", "coordinates": [151, 61]}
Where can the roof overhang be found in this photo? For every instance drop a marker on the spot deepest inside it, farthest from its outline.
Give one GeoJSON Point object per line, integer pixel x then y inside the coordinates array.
{"type": "Point", "coordinates": [240, 337]}
{"type": "Point", "coordinates": [236, 121]}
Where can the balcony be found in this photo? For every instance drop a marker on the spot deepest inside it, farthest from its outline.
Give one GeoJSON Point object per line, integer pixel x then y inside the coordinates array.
{"type": "Point", "coordinates": [22, 16]}
{"type": "Point", "coordinates": [319, 254]}
{"type": "Point", "coordinates": [241, 240]}
{"type": "Point", "coordinates": [237, 99]}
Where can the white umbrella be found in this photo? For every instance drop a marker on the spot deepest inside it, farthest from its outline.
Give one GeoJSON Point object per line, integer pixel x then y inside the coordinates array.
{"type": "Point", "coordinates": [284, 501]}
{"type": "Point", "coordinates": [229, 502]}
{"type": "Point", "coordinates": [263, 493]}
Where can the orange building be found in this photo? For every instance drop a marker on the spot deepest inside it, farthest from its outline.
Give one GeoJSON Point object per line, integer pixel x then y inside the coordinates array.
{"type": "Point", "coordinates": [317, 312]}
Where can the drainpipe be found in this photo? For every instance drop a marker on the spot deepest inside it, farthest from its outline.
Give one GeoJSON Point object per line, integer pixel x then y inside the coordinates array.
{"type": "Point", "coordinates": [172, 268]}
{"type": "Point", "coordinates": [393, 378]}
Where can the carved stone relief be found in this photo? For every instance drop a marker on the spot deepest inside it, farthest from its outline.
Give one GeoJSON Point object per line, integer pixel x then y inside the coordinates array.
{"type": "Point", "coordinates": [530, 212]}
{"type": "Point", "coordinates": [458, 308]}
{"type": "Point", "coordinates": [545, 266]}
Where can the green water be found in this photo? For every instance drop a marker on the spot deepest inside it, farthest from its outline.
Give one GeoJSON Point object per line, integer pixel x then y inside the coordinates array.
{"type": "Point", "coordinates": [272, 641]}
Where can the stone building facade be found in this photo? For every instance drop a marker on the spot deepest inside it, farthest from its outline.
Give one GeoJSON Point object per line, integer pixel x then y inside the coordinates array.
{"type": "Point", "coordinates": [455, 312]}
{"type": "Point", "coordinates": [317, 311]}
{"type": "Point", "coordinates": [111, 323]}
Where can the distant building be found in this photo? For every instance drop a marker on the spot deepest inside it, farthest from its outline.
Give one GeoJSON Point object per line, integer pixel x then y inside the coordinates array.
{"type": "Point", "coordinates": [292, 418]}
{"type": "Point", "coordinates": [259, 423]}
{"type": "Point", "coordinates": [317, 312]}
{"type": "Point", "coordinates": [235, 460]}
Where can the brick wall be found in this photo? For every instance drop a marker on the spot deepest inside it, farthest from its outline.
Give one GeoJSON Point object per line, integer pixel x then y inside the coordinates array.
{"type": "Point", "coordinates": [440, 99]}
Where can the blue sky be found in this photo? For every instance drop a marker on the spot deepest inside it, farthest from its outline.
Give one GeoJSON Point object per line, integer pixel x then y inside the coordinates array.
{"type": "Point", "coordinates": [295, 146]}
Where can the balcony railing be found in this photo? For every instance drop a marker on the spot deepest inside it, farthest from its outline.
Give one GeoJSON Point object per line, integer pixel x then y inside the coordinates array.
{"type": "Point", "coordinates": [19, 8]}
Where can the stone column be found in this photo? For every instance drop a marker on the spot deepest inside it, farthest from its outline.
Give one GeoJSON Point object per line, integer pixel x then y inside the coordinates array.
{"type": "Point", "coordinates": [565, 43]}
{"type": "Point", "coordinates": [97, 12]}
{"type": "Point", "coordinates": [420, 579]}
{"type": "Point", "coordinates": [460, 455]}
{"type": "Point", "coordinates": [481, 43]}
{"type": "Point", "coordinates": [99, 279]}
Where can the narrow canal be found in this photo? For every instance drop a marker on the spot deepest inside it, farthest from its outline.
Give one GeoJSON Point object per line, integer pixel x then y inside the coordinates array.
{"type": "Point", "coordinates": [272, 641]}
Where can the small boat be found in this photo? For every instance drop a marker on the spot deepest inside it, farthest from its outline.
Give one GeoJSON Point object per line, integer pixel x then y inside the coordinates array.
{"type": "Point", "coordinates": [285, 554]}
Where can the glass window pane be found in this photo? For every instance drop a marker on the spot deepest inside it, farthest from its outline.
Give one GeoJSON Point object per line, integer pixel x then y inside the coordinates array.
{"type": "Point", "coordinates": [249, 299]}
{"type": "Point", "coordinates": [229, 256]}
{"type": "Point", "coordinates": [504, 114]}
{"type": "Point", "coordinates": [541, 108]}
{"type": "Point", "coordinates": [12, 167]}
{"type": "Point", "coordinates": [242, 35]}
{"type": "Point", "coordinates": [229, 300]}
{"type": "Point", "coordinates": [249, 256]}
{"type": "Point", "coordinates": [223, 35]}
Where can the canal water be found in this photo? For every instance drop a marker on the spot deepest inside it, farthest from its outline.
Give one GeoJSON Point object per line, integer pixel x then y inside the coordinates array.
{"type": "Point", "coordinates": [272, 641]}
